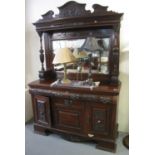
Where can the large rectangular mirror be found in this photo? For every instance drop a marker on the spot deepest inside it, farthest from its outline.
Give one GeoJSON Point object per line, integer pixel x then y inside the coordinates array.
{"type": "Point", "coordinates": [99, 48]}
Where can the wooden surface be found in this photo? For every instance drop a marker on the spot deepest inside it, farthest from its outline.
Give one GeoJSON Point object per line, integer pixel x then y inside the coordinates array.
{"type": "Point", "coordinates": [103, 89]}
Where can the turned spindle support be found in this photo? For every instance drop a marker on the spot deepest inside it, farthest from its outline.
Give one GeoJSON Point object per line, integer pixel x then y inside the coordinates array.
{"type": "Point", "coordinates": [41, 53]}
{"type": "Point", "coordinates": [115, 57]}
{"type": "Point", "coordinates": [42, 71]}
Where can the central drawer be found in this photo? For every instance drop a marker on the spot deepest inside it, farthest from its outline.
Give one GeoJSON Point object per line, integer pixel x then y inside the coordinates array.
{"type": "Point", "coordinates": [68, 114]}
{"type": "Point", "coordinates": [68, 103]}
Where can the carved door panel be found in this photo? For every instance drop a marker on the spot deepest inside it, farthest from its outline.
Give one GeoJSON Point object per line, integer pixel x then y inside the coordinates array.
{"type": "Point", "coordinates": [42, 110]}
{"type": "Point", "coordinates": [100, 120]}
{"type": "Point", "coordinates": [68, 115]}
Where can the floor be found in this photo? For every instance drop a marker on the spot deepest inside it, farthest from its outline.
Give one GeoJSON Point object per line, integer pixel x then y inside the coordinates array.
{"type": "Point", "coordinates": [53, 144]}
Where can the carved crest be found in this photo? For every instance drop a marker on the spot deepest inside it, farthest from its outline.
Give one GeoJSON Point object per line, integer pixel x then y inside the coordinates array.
{"type": "Point", "coordinates": [72, 9]}
{"type": "Point", "coordinates": [74, 15]}
{"type": "Point", "coordinates": [99, 9]}
{"type": "Point", "coordinates": [48, 15]}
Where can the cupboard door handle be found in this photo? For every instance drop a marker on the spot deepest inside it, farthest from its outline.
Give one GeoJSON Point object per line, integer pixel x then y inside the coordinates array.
{"type": "Point", "coordinates": [90, 135]}
{"type": "Point", "coordinates": [42, 113]}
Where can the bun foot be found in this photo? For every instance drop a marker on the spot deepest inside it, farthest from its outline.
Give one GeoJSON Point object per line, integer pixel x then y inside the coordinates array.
{"type": "Point", "coordinates": [107, 146]}
{"type": "Point", "coordinates": [40, 130]}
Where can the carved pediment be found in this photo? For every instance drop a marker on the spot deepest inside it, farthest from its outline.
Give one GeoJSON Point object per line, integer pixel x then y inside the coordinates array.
{"type": "Point", "coordinates": [99, 9]}
{"type": "Point", "coordinates": [71, 9]}
{"type": "Point", "coordinates": [74, 9]}
{"type": "Point", "coordinates": [48, 15]}
{"type": "Point", "coordinates": [73, 14]}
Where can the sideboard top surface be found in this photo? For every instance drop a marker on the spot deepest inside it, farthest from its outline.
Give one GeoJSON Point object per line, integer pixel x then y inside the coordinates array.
{"type": "Point", "coordinates": [102, 89]}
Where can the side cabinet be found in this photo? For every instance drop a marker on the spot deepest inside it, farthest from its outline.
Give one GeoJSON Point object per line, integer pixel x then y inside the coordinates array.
{"type": "Point", "coordinates": [41, 109]}
{"type": "Point", "coordinates": [100, 119]}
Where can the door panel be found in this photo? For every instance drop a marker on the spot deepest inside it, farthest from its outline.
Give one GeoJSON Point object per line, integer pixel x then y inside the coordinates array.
{"type": "Point", "coordinates": [69, 118]}
{"type": "Point", "coordinates": [68, 115]}
{"type": "Point", "coordinates": [100, 119]}
{"type": "Point", "coordinates": [42, 110]}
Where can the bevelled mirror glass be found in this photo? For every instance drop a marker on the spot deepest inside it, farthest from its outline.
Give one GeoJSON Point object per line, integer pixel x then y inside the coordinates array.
{"type": "Point", "coordinates": [99, 48]}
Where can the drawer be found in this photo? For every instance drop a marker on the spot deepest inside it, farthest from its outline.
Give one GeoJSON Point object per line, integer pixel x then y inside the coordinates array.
{"type": "Point", "coordinates": [69, 119]}
{"type": "Point", "coordinates": [68, 103]}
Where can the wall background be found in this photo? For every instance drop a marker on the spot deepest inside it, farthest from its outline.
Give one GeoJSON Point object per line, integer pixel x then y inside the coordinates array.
{"type": "Point", "coordinates": [34, 10]}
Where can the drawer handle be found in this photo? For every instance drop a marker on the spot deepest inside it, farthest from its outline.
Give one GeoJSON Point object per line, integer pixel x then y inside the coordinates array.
{"type": "Point", "coordinates": [99, 121]}
{"type": "Point", "coordinates": [67, 102]}
{"type": "Point", "coordinates": [90, 135]}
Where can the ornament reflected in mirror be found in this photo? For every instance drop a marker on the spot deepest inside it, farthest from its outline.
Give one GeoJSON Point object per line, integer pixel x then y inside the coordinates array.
{"type": "Point", "coordinates": [80, 56]}
{"type": "Point", "coordinates": [91, 46]}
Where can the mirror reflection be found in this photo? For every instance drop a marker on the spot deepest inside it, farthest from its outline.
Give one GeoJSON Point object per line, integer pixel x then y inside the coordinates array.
{"type": "Point", "coordinates": [89, 53]}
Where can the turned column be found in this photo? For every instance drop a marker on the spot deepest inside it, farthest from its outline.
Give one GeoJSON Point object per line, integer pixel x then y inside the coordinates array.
{"type": "Point", "coordinates": [115, 56]}
{"type": "Point", "coordinates": [42, 71]}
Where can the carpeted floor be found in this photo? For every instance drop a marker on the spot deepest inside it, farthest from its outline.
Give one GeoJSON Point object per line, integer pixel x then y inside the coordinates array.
{"type": "Point", "coordinates": [53, 144]}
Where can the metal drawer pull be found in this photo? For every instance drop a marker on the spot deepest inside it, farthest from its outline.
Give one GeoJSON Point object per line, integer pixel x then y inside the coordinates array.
{"type": "Point", "coordinates": [67, 102]}
{"type": "Point", "coordinates": [99, 121]}
{"type": "Point", "coordinates": [90, 135]}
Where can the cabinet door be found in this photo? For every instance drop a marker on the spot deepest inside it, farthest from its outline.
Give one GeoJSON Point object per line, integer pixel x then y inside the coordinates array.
{"type": "Point", "coordinates": [42, 110]}
{"type": "Point", "coordinates": [100, 120]}
{"type": "Point", "coordinates": [68, 115]}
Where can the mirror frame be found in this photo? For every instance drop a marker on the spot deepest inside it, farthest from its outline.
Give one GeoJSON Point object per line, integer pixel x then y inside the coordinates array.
{"type": "Point", "coordinates": [74, 17]}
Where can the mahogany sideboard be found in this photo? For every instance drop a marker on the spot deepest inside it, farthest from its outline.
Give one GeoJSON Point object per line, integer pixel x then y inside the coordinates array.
{"type": "Point", "coordinates": [78, 113]}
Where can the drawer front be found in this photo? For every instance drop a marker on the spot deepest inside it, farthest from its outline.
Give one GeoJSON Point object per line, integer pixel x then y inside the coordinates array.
{"type": "Point", "coordinates": [42, 110]}
{"type": "Point", "coordinates": [68, 115]}
{"type": "Point", "coordinates": [68, 103]}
